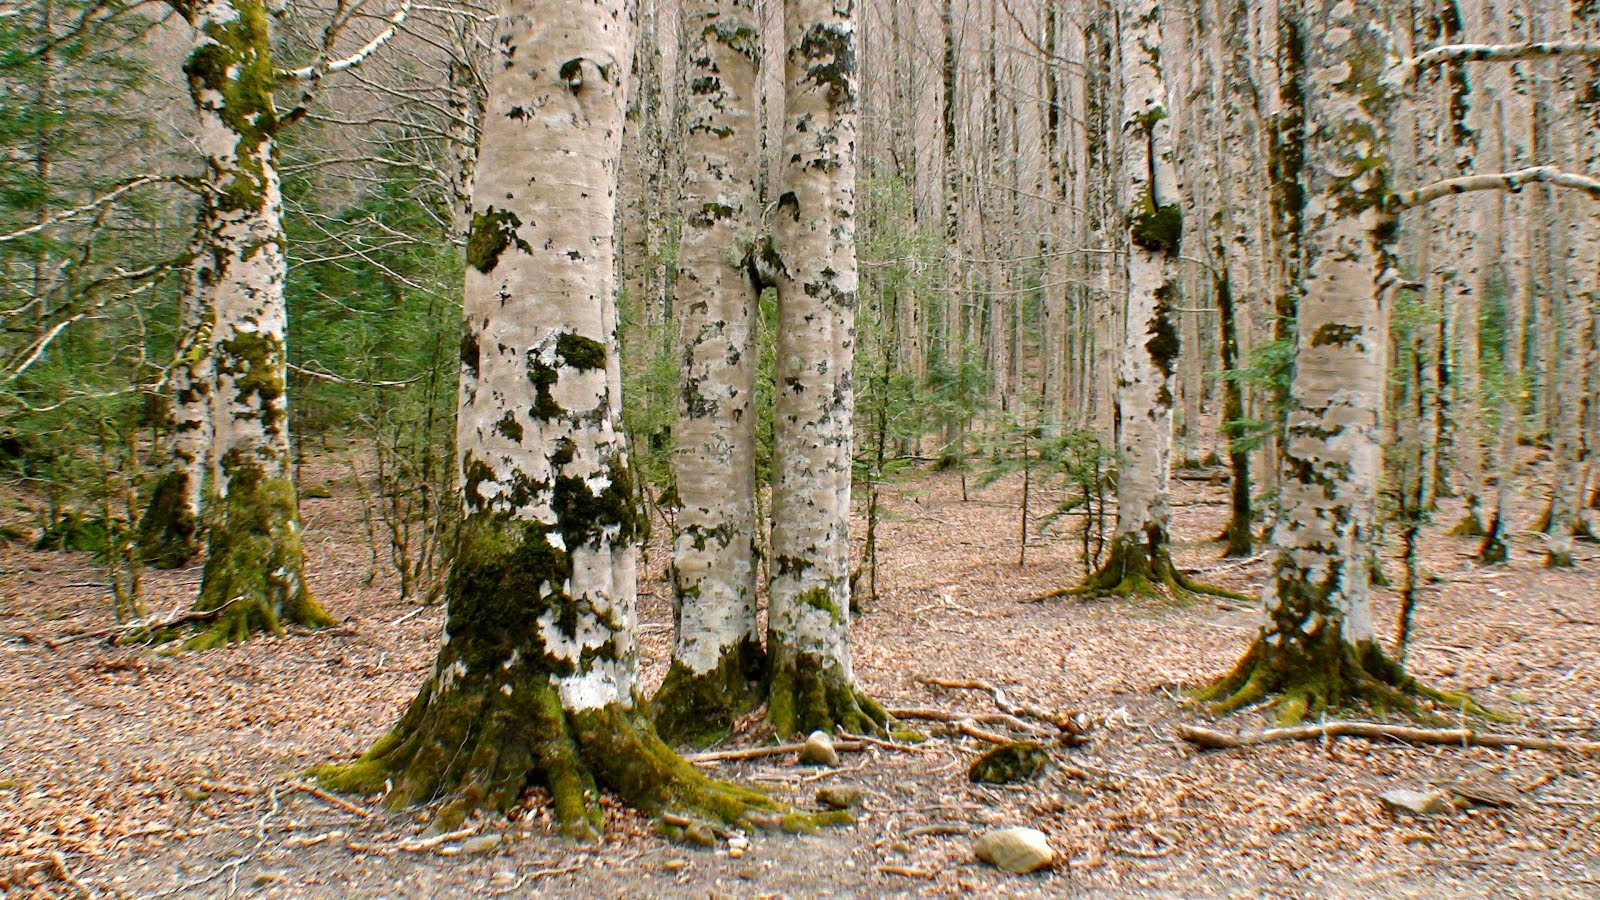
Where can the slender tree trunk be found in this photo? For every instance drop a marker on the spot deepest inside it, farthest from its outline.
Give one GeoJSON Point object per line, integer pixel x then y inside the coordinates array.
{"type": "Point", "coordinates": [1140, 558]}
{"type": "Point", "coordinates": [717, 658]}
{"type": "Point", "coordinates": [254, 564]}
{"type": "Point", "coordinates": [812, 684]}
{"type": "Point", "coordinates": [536, 678]}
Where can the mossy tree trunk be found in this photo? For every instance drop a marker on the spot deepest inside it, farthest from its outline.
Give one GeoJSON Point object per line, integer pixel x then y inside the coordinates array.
{"type": "Point", "coordinates": [254, 564]}
{"type": "Point", "coordinates": [536, 678]}
{"type": "Point", "coordinates": [811, 683]}
{"type": "Point", "coordinates": [1316, 648]}
{"type": "Point", "coordinates": [169, 530]}
{"type": "Point", "coordinates": [717, 657]}
{"type": "Point", "coordinates": [1140, 560]}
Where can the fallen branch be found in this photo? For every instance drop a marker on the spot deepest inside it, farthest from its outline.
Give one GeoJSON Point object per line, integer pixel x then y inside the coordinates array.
{"type": "Point", "coordinates": [1072, 727]}
{"type": "Point", "coordinates": [1208, 739]}
{"type": "Point", "coordinates": [331, 799]}
{"type": "Point", "coordinates": [759, 752]}
{"type": "Point", "coordinates": [939, 715]}
{"type": "Point", "coordinates": [868, 740]}
{"type": "Point", "coordinates": [536, 873]}
{"type": "Point", "coordinates": [907, 871]}
{"type": "Point", "coordinates": [112, 635]}
{"type": "Point", "coordinates": [971, 730]}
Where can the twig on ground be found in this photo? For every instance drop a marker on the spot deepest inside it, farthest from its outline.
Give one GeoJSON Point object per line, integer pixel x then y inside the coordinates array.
{"type": "Point", "coordinates": [716, 756]}
{"type": "Point", "coordinates": [331, 799]}
{"type": "Point", "coordinates": [1072, 727]}
{"type": "Point", "coordinates": [1209, 739]}
{"type": "Point", "coordinates": [971, 730]}
{"type": "Point", "coordinates": [215, 874]}
{"type": "Point", "coordinates": [940, 715]}
{"type": "Point", "coordinates": [880, 742]}
{"type": "Point", "coordinates": [536, 873]}
{"type": "Point", "coordinates": [944, 829]}
{"type": "Point", "coordinates": [907, 871]}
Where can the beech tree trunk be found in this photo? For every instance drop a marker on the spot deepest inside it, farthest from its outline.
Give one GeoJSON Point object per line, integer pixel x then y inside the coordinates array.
{"type": "Point", "coordinates": [536, 678]}
{"type": "Point", "coordinates": [1140, 558]}
{"type": "Point", "coordinates": [812, 685]}
{"type": "Point", "coordinates": [1316, 647]}
{"type": "Point", "coordinates": [254, 567]}
{"type": "Point", "coordinates": [717, 658]}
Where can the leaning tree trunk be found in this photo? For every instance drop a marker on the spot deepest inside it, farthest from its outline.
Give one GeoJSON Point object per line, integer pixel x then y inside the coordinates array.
{"type": "Point", "coordinates": [811, 683]}
{"type": "Point", "coordinates": [254, 564]}
{"type": "Point", "coordinates": [717, 658]}
{"type": "Point", "coordinates": [1140, 560]}
{"type": "Point", "coordinates": [536, 678]}
{"type": "Point", "coordinates": [169, 530]}
{"type": "Point", "coordinates": [1316, 648]}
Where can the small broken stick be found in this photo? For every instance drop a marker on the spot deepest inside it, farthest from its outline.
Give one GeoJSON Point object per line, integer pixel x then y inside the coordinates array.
{"type": "Point", "coordinates": [1209, 739]}
{"type": "Point", "coordinates": [1073, 728]}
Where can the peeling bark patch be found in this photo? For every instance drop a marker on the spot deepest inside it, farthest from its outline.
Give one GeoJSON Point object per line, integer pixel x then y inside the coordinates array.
{"type": "Point", "coordinates": [492, 232]}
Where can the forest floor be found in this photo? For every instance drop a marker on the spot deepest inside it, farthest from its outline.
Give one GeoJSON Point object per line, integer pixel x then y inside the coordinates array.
{"type": "Point", "coordinates": [126, 773]}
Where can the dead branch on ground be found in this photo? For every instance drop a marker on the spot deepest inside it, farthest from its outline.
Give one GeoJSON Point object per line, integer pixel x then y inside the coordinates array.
{"type": "Point", "coordinates": [1209, 739]}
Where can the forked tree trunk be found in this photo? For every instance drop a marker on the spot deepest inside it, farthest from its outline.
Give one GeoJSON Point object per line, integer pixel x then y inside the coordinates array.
{"type": "Point", "coordinates": [536, 677]}
{"type": "Point", "coordinates": [254, 564]}
{"type": "Point", "coordinates": [717, 658]}
{"type": "Point", "coordinates": [1316, 648]}
{"type": "Point", "coordinates": [812, 685]}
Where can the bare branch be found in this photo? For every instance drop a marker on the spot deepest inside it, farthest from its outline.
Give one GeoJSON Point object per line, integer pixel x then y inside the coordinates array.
{"type": "Point", "coordinates": [1497, 181]}
{"type": "Point", "coordinates": [1494, 53]}
{"type": "Point", "coordinates": [106, 198]}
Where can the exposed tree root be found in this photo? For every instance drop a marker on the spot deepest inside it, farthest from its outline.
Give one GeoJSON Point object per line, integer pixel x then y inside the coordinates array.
{"type": "Point", "coordinates": [698, 710]}
{"type": "Point", "coordinates": [478, 747]}
{"type": "Point", "coordinates": [1334, 674]}
{"type": "Point", "coordinates": [804, 694]}
{"type": "Point", "coordinates": [1209, 739]}
{"type": "Point", "coordinates": [1469, 526]}
{"type": "Point", "coordinates": [254, 565]}
{"type": "Point", "coordinates": [1141, 569]}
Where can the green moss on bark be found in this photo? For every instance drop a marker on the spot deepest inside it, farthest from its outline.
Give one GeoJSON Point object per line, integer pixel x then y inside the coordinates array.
{"type": "Point", "coordinates": [169, 533]}
{"type": "Point", "coordinates": [699, 709]}
{"type": "Point", "coordinates": [806, 693]}
{"type": "Point", "coordinates": [254, 572]}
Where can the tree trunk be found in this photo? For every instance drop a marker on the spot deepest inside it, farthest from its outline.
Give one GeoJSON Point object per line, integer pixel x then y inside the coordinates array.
{"type": "Point", "coordinates": [254, 563]}
{"type": "Point", "coordinates": [536, 678]}
{"type": "Point", "coordinates": [1140, 559]}
{"type": "Point", "coordinates": [812, 685]}
{"type": "Point", "coordinates": [169, 530]}
{"type": "Point", "coordinates": [1316, 648]}
{"type": "Point", "coordinates": [717, 658]}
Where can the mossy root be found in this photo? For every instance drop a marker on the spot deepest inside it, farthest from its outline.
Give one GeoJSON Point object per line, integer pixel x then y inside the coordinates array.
{"type": "Point", "coordinates": [806, 695]}
{"type": "Point", "coordinates": [698, 710]}
{"type": "Point", "coordinates": [477, 748]}
{"type": "Point", "coordinates": [1346, 676]}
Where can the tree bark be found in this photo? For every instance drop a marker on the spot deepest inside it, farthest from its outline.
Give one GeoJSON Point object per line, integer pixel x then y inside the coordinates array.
{"type": "Point", "coordinates": [254, 560]}
{"type": "Point", "coordinates": [1316, 648]}
{"type": "Point", "coordinates": [812, 685]}
{"type": "Point", "coordinates": [717, 658]}
{"type": "Point", "coordinates": [536, 678]}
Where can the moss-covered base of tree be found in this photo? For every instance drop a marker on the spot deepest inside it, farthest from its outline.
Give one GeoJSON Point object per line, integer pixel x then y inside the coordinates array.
{"type": "Point", "coordinates": [1141, 568]}
{"type": "Point", "coordinates": [254, 570]}
{"type": "Point", "coordinates": [1471, 524]}
{"type": "Point", "coordinates": [477, 747]}
{"type": "Point", "coordinates": [1493, 550]}
{"type": "Point", "coordinates": [806, 693]}
{"type": "Point", "coordinates": [169, 532]}
{"type": "Point", "coordinates": [1237, 539]}
{"type": "Point", "coordinates": [1321, 674]}
{"type": "Point", "coordinates": [698, 710]}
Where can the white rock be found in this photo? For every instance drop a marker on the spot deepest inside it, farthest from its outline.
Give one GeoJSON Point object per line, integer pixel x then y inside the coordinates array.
{"type": "Point", "coordinates": [1418, 803]}
{"type": "Point", "coordinates": [819, 750]}
{"type": "Point", "coordinates": [1017, 850]}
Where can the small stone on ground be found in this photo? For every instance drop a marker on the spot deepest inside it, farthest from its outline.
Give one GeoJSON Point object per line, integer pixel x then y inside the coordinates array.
{"type": "Point", "coordinates": [1017, 850]}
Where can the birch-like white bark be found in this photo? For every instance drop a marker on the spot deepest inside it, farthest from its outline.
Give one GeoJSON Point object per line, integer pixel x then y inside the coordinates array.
{"type": "Point", "coordinates": [713, 557]}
